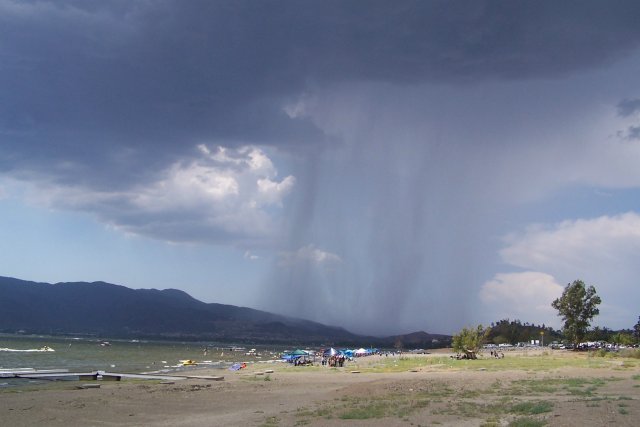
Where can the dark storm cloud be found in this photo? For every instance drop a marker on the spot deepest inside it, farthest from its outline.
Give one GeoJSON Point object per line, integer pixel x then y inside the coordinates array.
{"type": "Point", "coordinates": [111, 83]}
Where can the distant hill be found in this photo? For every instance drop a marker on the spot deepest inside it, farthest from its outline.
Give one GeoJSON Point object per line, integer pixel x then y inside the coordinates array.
{"type": "Point", "coordinates": [109, 310]}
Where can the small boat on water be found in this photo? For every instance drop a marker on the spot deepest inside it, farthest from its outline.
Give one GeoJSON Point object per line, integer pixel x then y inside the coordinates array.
{"type": "Point", "coordinates": [42, 349]}
{"type": "Point", "coordinates": [189, 362]}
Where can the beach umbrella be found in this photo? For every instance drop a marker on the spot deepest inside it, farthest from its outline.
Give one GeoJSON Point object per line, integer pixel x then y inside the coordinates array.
{"type": "Point", "coordinates": [330, 352]}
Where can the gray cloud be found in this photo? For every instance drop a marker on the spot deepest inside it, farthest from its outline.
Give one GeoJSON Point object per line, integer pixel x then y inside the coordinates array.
{"type": "Point", "coordinates": [110, 84]}
{"type": "Point", "coordinates": [633, 132]}
{"type": "Point", "coordinates": [628, 107]}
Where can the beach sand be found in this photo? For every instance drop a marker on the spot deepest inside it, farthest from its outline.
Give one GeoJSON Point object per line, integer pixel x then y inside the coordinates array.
{"type": "Point", "coordinates": [319, 396]}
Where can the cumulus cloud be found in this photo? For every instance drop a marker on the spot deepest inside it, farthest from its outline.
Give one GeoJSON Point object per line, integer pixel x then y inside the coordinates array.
{"type": "Point", "coordinates": [526, 296]}
{"type": "Point", "coordinates": [223, 196]}
{"type": "Point", "coordinates": [602, 251]}
{"type": "Point", "coordinates": [572, 245]}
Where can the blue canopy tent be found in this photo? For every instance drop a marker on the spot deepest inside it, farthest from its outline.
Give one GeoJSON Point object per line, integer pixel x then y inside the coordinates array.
{"type": "Point", "coordinates": [330, 352]}
{"type": "Point", "coordinates": [348, 353]}
{"type": "Point", "coordinates": [295, 355]}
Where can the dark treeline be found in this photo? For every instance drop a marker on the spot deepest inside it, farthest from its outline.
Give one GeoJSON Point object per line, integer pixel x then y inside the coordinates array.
{"type": "Point", "coordinates": [508, 331]}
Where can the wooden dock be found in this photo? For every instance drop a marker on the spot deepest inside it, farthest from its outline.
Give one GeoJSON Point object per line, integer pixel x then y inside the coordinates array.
{"type": "Point", "coordinates": [64, 374]}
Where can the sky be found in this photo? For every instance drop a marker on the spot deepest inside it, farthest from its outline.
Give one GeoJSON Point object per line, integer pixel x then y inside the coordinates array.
{"type": "Point", "coordinates": [384, 166]}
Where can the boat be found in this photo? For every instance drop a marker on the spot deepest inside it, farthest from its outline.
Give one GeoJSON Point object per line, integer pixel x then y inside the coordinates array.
{"type": "Point", "coordinates": [189, 362]}
{"type": "Point", "coordinates": [42, 349]}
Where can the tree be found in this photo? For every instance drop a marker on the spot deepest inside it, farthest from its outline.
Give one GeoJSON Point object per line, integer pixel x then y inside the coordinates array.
{"type": "Point", "coordinates": [469, 340]}
{"type": "Point", "coordinates": [636, 330]}
{"type": "Point", "coordinates": [622, 338]}
{"type": "Point", "coordinates": [577, 306]}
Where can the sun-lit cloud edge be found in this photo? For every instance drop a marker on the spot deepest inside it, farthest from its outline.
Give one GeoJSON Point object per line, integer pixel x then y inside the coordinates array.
{"type": "Point", "coordinates": [223, 195]}
{"type": "Point", "coordinates": [602, 251]}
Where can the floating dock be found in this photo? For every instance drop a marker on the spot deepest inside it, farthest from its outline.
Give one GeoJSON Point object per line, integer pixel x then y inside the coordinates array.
{"type": "Point", "coordinates": [64, 374]}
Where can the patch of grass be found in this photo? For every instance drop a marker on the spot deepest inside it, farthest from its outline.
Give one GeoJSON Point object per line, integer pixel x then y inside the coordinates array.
{"type": "Point", "coordinates": [596, 399]}
{"type": "Point", "coordinates": [574, 386]}
{"type": "Point", "coordinates": [532, 408]}
{"type": "Point", "coordinates": [366, 411]}
{"type": "Point", "coordinates": [536, 386]}
{"type": "Point", "coordinates": [623, 411]}
{"type": "Point", "coordinates": [491, 422]}
{"type": "Point", "coordinates": [469, 394]}
{"type": "Point", "coordinates": [636, 377]}
{"type": "Point", "coordinates": [271, 422]}
{"type": "Point", "coordinates": [633, 353]}
{"type": "Point", "coordinates": [527, 422]}
{"type": "Point", "coordinates": [599, 353]}
{"type": "Point", "coordinates": [304, 412]}
{"type": "Point", "coordinates": [399, 405]}
{"type": "Point", "coordinates": [588, 392]}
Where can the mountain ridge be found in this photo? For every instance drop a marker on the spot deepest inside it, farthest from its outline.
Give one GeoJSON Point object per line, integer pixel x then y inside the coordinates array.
{"type": "Point", "coordinates": [105, 309]}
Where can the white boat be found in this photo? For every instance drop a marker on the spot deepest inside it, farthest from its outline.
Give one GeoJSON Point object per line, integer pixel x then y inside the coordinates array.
{"type": "Point", "coordinates": [42, 349]}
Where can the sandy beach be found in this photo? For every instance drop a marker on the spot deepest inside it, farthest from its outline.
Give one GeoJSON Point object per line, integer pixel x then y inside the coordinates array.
{"type": "Point", "coordinates": [558, 389]}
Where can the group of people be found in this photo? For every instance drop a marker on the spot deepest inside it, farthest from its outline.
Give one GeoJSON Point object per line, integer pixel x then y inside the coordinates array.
{"type": "Point", "coordinates": [497, 355]}
{"type": "Point", "coordinates": [302, 361]}
{"type": "Point", "coordinates": [334, 361]}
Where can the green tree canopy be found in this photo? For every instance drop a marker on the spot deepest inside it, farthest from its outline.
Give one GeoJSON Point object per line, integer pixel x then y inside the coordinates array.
{"type": "Point", "coordinates": [577, 306]}
{"type": "Point", "coordinates": [469, 339]}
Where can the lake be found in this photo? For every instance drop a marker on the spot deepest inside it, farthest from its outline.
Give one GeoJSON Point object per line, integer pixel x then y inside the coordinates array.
{"type": "Point", "coordinates": [82, 354]}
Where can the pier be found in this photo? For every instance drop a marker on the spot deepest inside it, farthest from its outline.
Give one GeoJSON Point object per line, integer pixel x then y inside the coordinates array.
{"type": "Point", "coordinates": [64, 374]}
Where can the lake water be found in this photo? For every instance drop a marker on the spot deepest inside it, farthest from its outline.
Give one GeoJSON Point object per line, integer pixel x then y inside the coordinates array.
{"type": "Point", "coordinates": [90, 354]}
